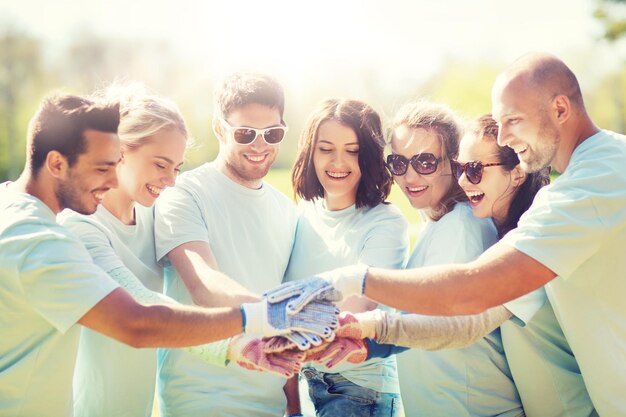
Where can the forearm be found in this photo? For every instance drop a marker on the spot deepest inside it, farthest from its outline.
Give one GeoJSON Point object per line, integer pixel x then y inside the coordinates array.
{"type": "Point", "coordinates": [499, 275]}
{"type": "Point", "coordinates": [208, 287]}
{"type": "Point", "coordinates": [292, 394]}
{"type": "Point", "coordinates": [120, 316]}
{"type": "Point", "coordinates": [434, 333]}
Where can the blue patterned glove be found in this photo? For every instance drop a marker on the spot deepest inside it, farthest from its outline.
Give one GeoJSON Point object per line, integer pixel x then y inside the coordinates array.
{"type": "Point", "coordinates": [269, 319]}
{"type": "Point", "coordinates": [329, 286]}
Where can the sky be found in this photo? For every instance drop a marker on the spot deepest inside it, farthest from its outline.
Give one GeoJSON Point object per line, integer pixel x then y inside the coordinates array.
{"type": "Point", "coordinates": [311, 41]}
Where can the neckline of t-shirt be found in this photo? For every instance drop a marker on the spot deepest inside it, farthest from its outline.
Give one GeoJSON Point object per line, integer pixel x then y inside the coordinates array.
{"type": "Point", "coordinates": [235, 186]}
{"type": "Point", "coordinates": [333, 214]}
{"type": "Point", "coordinates": [127, 227]}
{"type": "Point", "coordinates": [38, 202]}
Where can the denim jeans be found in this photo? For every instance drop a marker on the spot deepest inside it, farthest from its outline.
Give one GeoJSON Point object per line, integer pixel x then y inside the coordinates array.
{"type": "Point", "coordinates": [335, 396]}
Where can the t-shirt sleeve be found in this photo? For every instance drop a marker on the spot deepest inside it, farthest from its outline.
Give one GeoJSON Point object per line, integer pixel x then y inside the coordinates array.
{"type": "Point", "coordinates": [60, 280]}
{"type": "Point", "coordinates": [178, 220]}
{"type": "Point", "coordinates": [570, 219]}
{"type": "Point", "coordinates": [525, 307]}
{"type": "Point", "coordinates": [96, 242]}
{"type": "Point", "coordinates": [387, 244]}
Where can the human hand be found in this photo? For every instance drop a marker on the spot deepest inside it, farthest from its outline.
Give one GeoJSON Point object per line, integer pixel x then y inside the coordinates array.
{"type": "Point", "coordinates": [249, 353]}
{"type": "Point", "coordinates": [272, 319]}
{"type": "Point", "coordinates": [329, 286]}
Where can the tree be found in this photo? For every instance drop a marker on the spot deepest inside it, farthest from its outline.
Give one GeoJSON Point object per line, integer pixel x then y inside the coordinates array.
{"type": "Point", "coordinates": [20, 70]}
{"type": "Point", "coordinates": [612, 14]}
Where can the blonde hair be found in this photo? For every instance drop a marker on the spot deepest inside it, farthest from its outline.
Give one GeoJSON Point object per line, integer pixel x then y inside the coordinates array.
{"type": "Point", "coordinates": [143, 114]}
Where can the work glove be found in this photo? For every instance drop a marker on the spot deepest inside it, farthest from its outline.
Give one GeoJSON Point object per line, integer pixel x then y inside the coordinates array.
{"type": "Point", "coordinates": [329, 286]}
{"type": "Point", "coordinates": [249, 353]}
{"type": "Point", "coordinates": [271, 319]}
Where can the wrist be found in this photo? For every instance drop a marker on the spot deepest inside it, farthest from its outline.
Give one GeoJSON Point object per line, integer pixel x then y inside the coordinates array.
{"type": "Point", "coordinates": [252, 317]}
{"type": "Point", "coordinates": [368, 322]}
{"type": "Point", "coordinates": [348, 280]}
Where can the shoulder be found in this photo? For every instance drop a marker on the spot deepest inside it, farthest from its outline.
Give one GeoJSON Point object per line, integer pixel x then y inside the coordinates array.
{"type": "Point", "coordinates": [383, 214]}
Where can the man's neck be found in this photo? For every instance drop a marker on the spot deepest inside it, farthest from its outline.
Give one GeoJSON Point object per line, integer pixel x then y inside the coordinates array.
{"type": "Point", "coordinates": [37, 187]}
{"type": "Point", "coordinates": [579, 133]}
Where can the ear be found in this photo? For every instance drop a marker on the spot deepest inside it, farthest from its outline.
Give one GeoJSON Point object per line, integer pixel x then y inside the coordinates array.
{"type": "Point", "coordinates": [562, 108]}
{"type": "Point", "coordinates": [518, 176]}
{"type": "Point", "coordinates": [56, 164]}
{"type": "Point", "coordinates": [218, 129]}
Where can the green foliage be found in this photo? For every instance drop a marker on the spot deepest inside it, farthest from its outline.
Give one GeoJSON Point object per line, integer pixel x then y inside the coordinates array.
{"type": "Point", "coordinates": [612, 15]}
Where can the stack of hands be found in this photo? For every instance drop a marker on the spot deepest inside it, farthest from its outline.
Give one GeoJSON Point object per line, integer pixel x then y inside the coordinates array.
{"type": "Point", "coordinates": [300, 323]}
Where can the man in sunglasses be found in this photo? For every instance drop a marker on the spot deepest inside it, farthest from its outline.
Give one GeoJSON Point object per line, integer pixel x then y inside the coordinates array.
{"type": "Point", "coordinates": [225, 236]}
{"type": "Point", "coordinates": [571, 240]}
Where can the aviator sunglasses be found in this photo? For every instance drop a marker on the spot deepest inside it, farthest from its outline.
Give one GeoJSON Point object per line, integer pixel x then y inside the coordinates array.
{"type": "Point", "coordinates": [422, 163]}
{"type": "Point", "coordinates": [473, 170]}
{"type": "Point", "coordinates": [247, 135]}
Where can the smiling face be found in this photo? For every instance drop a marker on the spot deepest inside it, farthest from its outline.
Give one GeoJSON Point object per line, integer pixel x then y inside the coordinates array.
{"type": "Point", "coordinates": [248, 164]}
{"type": "Point", "coordinates": [146, 170]}
{"type": "Point", "coordinates": [492, 196]}
{"type": "Point", "coordinates": [525, 125]}
{"type": "Point", "coordinates": [83, 186]}
{"type": "Point", "coordinates": [336, 161]}
{"type": "Point", "coordinates": [423, 191]}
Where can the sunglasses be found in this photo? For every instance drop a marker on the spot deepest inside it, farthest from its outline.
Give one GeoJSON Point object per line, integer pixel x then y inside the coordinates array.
{"type": "Point", "coordinates": [473, 170]}
{"type": "Point", "coordinates": [247, 135]}
{"type": "Point", "coordinates": [422, 163]}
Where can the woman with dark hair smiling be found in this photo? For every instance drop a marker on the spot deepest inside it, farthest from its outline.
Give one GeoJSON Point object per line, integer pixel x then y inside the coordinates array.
{"type": "Point", "coordinates": [340, 176]}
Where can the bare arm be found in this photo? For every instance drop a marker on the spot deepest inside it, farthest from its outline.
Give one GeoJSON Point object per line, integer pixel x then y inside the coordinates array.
{"type": "Point", "coordinates": [119, 316]}
{"type": "Point", "coordinates": [209, 287]}
{"type": "Point", "coordinates": [499, 275]}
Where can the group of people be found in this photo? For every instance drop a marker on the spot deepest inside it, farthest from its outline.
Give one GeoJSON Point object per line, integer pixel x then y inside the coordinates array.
{"type": "Point", "coordinates": [509, 303]}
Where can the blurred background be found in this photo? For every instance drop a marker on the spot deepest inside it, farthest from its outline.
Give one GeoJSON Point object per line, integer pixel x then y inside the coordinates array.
{"type": "Point", "coordinates": [385, 53]}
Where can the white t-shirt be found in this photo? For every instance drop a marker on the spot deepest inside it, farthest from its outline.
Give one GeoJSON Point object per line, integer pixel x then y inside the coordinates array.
{"type": "Point", "coordinates": [543, 366]}
{"type": "Point", "coordinates": [48, 283]}
{"type": "Point", "coordinates": [576, 226]}
{"type": "Point", "coordinates": [472, 381]}
{"type": "Point", "coordinates": [327, 240]}
{"type": "Point", "coordinates": [251, 234]}
{"type": "Point", "coordinates": [111, 378]}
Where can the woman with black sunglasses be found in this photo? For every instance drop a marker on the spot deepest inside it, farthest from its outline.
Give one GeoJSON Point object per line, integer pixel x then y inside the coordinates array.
{"type": "Point", "coordinates": [473, 380]}
{"type": "Point", "coordinates": [544, 368]}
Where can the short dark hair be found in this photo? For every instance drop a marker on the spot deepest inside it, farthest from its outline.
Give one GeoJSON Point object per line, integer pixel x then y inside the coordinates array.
{"type": "Point", "coordinates": [441, 121]}
{"type": "Point", "coordinates": [60, 123]}
{"type": "Point", "coordinates": [485, 128]}
{"type": "Point", "coordinates": [375, 183]}
{"type": "Point", "coordinates": [243, 88]}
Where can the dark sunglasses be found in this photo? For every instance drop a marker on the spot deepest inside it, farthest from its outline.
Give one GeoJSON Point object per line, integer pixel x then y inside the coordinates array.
{"type": "Point", "coordinates": [247, 135]}
{"type": "Point", "coordinates": [473, 170]}
{"type": "Point", "coordinates": [422, 163]}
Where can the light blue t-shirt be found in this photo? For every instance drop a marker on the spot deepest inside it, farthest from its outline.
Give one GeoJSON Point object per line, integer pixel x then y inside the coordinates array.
{"type": "Point", "coordinates": [111, 378]}
{"type": "Point", "coordinates": [576, 226]}
{"type": "Point", "coordinates": [472, 381]}
{"type": "Point", "coordinates": [327, 240]}
{"type": "Point", "coordinates": [48, 282]}
{"type": "Point", "coordinates": [251, 234]}
{"type": "Point", "coordinates": [544, 368]}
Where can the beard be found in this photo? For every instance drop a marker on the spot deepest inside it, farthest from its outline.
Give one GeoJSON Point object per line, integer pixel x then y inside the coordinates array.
{"type": "Point", "coordinates": [73, 195]}
{"type": "Point", "coordinates": [548, 139]}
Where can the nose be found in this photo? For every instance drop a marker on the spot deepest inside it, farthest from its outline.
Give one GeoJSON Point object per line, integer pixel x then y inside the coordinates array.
{"type": "Point", "coordinates": [169, 179]}
{"type": "Point", "coordinates": [503, 136]}
{"type": "Point", "coordinates": [112, 181]}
